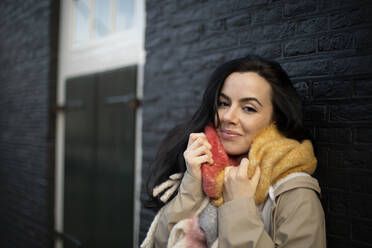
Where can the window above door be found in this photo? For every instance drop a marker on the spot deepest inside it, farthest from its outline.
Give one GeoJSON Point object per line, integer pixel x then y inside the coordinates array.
{"type": "Point", "coordinates": [100, 35]}
{"type": "Point", "coordinates": [95, 19]}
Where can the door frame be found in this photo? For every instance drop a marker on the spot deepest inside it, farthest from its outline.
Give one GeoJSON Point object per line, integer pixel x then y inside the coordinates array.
{"type": "Point", "coordinates": [113, 52]}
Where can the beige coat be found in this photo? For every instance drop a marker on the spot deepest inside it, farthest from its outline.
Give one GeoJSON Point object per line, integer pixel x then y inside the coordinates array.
{"type": "Point", "coordinates": [297, 218]}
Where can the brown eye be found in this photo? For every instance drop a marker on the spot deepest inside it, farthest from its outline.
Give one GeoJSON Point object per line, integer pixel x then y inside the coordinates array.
{"type": "Point", "coordinates": [249, 109]}
{"type": "Point", "coordinates": [222, 104]}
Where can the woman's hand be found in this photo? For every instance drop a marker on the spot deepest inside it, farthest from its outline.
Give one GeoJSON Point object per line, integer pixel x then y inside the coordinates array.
{"type": "Point", "coordinates": [236, 182]}
{"type": "Point", "coordinates": [198, 152]}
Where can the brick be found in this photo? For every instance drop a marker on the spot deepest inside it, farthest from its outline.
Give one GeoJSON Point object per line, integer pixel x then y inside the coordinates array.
{"type": "Point", "coordinates": [338, 241]}
{"type": "Point", "coordinates": [249, 3]}
{"type": "Point", "coordinates": [189, 33]}
{"type": "Point", "coordinates": [306, 68]}
{"type": "Point", "coordinates": [335, 42]}
{"type": "Point", "coordinates": [268, 15]}
{"type": "Point", "coordinates": [268, 32]}
{"type": "Point", "coordinates": [215, 26]}
{"type": "Point", "coordinates": [357, 159]}
{"type": "Point", "coordinates": [363, 40]}
{"type": "Point", "coordinates": [224, 7]}
{"type": "Point", "coordinates": [338, 4]}
{"type": "Point", "coordinates": [152, 30]}
{"type": "Point", "coordinates": [363, 87]}
{"type": "Point", "coordinates": [364, 135]}
{"type": "Point", "coordinates": [157, 42]}
{"type": "Point", "coordinates": [189, 15]}
{"type": "Point", "coordinates": [339, 202]}
{"type": "Point", "coordinates": [218, 41]}
{"type": "Point", "coordinates": [351, 112]}
{"type": "Point", "coordinates": [361, 182]}
{"type": "Point", "coordinates": [315, 113]}
{"type": "Point", "coordinates": [207, 63]}
{"type": "Point", "coordinates": [332, 89]}
{"type": "Point", "coordinates": [187, 3]}
{"type": "Point", "coordinates": [299, 47]}
{"type": "Point", "coordinates": [350, 18]}
{"type": "Point", "coordinates": [312, 25]}
{"type": "Point", "coordinates": [27, 82]}
{"type": "Point", "coordinates": [361, 230]}
{"type": "Point", "coordinates": [351, 66]}
{"type": "Point", "coordinates": [271, 50]}
{"type": "Point", "coordinates": [355, 244]}
{"type": "Point", "coordinates": [350, 159]}
{"type": "Point", "coordinates": [337, 225]}
{"type": "Point", "coordinates": [300, 8]}
{"type": "Point", "coordinates": [333, 135]}
{"type": "Point", "coordinates": [238, 21]}
{"type": "Point", "coordinates": [303, 90]}
{"type": "Point", "coordinates": [153, 16]}
{"type": "Point", "coordinates": [338, 179]}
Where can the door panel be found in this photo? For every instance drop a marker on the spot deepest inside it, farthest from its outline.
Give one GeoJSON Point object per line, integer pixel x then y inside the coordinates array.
{"type": "Point", "coordinates": [99, 169]}
{"type": "Point", "coordinates": [80, 158]}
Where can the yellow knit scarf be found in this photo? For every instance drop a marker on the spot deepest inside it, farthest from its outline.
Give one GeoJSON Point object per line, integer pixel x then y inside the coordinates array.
{"type": "Point", "coordinates": [278, 157]}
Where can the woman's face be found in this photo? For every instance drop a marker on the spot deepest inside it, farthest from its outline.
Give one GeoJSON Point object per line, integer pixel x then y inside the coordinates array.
{"type": "Point", "coordinates": [244, 109]}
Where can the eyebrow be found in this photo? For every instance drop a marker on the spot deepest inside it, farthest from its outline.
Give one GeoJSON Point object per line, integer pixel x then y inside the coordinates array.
{"type": "Point", "coordinates": [246, 99]}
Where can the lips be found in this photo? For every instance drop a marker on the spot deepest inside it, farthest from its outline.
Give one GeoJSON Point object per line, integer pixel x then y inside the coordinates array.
{"type": "Point", "coordinates": [229, 134]}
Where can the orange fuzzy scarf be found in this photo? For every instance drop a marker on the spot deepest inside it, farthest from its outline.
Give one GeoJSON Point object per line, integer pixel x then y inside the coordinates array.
{"type": "Point", "coordinates": [276, 155]}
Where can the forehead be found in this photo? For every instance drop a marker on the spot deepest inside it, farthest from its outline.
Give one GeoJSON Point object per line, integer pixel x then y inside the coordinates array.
{"type": "Point", "coordinates": [246, 84]}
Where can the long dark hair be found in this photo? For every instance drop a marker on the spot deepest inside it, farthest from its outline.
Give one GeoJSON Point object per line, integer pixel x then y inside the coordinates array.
{"type": "Point", "coordinates": [287, 113]}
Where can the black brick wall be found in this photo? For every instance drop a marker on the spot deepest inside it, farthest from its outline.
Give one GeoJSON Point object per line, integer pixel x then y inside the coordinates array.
{"type": "Point", "coordinates": [28, 48]}
{"type": "Point", "coordinates": [325, 46]}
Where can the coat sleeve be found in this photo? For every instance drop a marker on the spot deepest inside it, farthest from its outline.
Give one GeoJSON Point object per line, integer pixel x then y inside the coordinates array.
{"type": "Point", "coordinates": [298, 222]}
{"type": "Point", "coordinates": [184, 205]}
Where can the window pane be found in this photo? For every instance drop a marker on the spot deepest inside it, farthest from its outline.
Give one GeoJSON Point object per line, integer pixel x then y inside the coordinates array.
{"type": "Point", "coordinates": [124, 14]}
{"type": "Point", "coordinates": [82, 20]}
{"type": "Point", "coordinates": [101, 18]}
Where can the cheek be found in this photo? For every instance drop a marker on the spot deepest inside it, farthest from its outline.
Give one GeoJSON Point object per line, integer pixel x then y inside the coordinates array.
{"type": "Point", "coordinates": [253, 126]}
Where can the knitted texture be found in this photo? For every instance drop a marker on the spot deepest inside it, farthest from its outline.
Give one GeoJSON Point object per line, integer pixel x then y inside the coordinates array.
{"type": "Point", "coordinates": [213, 174]}
{"type": "Point", "coordinates": [276, 155]}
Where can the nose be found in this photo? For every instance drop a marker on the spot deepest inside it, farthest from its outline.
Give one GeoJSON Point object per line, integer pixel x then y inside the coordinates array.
{"type": "Point", "coordinates": [230, 115]}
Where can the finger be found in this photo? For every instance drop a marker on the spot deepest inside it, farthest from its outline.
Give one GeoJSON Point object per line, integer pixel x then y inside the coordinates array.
{"type": "Point", "coordinates": [243, 168]}
{"type": "Point", "coordinates": [202, 137]}
{"type": "Point", "coordinates": [196, 143]}
{"type": "Point", "coordinates": [202, 150]}
{"type": "Point", "coordinates": [231, 173]}
{"type": "Point", "coordinates": [207, 144]}
{"type": "Point", "coordinates": [193, 152]}
{"type": "Point", "coordinates": [208, 154]}
{"type": "Point", "coordinates": [227, 172]}
{"type": "Point", "coordinates": [199, 150]}
{"type": "Point", "coordinates": [194, 136]}
{"type": "Point", "coordinates": [256, 176]}
{"type": "Point", "coordinates": [201, 159]}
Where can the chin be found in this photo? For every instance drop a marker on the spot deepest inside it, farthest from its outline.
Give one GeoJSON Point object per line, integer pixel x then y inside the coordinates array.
{"type": "Point", "coordinates": [235, 151]}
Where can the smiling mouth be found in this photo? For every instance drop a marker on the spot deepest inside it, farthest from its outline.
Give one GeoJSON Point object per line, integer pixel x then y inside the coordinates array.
{"type": "Point", "coordinates": [228, 134]}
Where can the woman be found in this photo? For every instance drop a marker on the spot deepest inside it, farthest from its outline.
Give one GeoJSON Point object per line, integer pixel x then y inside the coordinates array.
{"type": "Point", "coordinates": [238, 173]}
